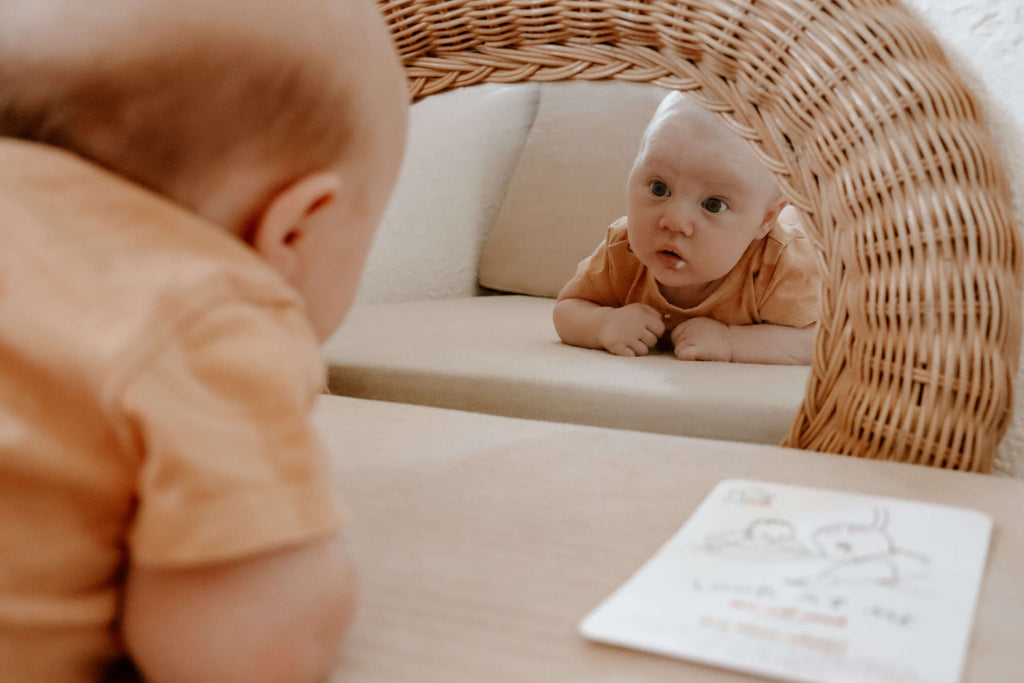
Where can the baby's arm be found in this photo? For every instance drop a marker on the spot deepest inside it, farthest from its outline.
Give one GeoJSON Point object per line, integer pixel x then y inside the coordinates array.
{"type": "Point", "coordinates": [708, 339]}
{"type": "Point", "coordinates": [631, 330]}
{"type": "Point", "coordinates": [274, 617]}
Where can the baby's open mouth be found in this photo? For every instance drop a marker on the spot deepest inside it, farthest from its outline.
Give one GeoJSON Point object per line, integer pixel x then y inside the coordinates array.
{"type": "Point", "coordinates": [671, 259]}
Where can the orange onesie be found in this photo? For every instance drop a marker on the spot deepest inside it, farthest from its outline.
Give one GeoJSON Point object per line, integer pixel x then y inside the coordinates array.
{"type": "Point", "coordinates": [156, 383]}
{"type": "Point", "coordinates": [775, 281]}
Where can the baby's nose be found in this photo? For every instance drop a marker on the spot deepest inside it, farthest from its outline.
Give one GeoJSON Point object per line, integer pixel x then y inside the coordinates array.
{"type": "Point", "coordinates": [677, 219]}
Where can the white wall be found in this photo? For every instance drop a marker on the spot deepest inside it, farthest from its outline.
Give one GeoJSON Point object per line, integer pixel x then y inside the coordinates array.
{"type": "Point", "coordinates": [989, 34]}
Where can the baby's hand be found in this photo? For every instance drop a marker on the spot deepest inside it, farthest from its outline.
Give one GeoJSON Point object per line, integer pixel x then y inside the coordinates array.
{"type": "Point", "coordinates": [702, 339]}
{"type": "Point", "coordinates": [631, 330]}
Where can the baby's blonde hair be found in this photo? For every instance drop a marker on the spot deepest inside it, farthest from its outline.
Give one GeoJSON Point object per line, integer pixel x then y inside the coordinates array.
{"type": "Point", "coordinates": [181, 107]}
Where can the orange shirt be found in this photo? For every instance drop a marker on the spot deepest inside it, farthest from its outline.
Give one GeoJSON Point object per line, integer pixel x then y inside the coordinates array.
{"type": "Point", "coordinates": [775, 281]}
{"type": "Point", "coordinates": [156, 382]}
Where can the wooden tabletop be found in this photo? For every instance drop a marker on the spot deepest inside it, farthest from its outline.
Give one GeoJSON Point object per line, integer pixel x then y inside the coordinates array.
{"type": "Point", "coordinates": [482, 541]}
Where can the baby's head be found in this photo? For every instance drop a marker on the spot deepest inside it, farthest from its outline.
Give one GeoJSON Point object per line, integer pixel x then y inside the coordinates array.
{"type": "Point", "coordinates": [281, 122]}
{"type": "Point", "coordinates": [697, 198]}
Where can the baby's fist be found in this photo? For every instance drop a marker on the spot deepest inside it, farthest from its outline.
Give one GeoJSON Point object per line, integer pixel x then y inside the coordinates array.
{"type": "Point", "coordinates": [631, 330]}
{"type": "Point", "coordinates": [702, 339]}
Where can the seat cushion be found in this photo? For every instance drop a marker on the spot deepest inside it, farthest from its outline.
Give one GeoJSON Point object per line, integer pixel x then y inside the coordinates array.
{"type": "Point", "coordinates": [501, 355]}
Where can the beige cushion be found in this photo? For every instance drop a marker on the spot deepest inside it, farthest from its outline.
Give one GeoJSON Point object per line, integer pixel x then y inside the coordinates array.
{"type": "Point", "coordinates": [500, 355]}
{"type": "Point", "coordinates": [461, 149]}
{"type": "Point", "coordinates": [569, 185]}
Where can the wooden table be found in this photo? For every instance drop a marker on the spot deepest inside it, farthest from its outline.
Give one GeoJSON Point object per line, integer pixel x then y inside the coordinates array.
{"type": "Point", "coordinates": [482, 540]}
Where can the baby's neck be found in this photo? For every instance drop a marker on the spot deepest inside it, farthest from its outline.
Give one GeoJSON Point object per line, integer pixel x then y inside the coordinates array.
{"type": "Point", "coordinates": [688, 296]}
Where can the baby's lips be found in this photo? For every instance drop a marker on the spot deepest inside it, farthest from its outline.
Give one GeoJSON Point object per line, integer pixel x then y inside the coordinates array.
{"type": "Point", "coordinates": [671, 258]}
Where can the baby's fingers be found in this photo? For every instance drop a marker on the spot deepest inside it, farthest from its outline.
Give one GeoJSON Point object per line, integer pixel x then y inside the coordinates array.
{"type": "Point", "coordinates": [640, 348]}
{"type": "Point", "coordinates": [649, 338]}
{"type": "Point", "coordinates": [678, 334]}
{"type": "Point", "coordinates": [656, 325]}
{"type": "Point", "coordinates": [621, 350]}
{"type": "Point", "coordinates": [631, 348]}
{"type": "Point", "coordinates": [688, 352]}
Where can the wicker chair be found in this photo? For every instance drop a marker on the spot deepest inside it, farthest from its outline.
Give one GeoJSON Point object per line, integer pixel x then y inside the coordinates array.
{"type": "Point", "coordinates": [873, 138]}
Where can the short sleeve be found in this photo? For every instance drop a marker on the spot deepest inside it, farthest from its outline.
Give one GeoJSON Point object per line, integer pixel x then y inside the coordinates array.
{"type": "Point", "coordinates": [790, 294]}
{"type": "Point", "coordinates": [230, 463]}
{"type": "Point", "coordinates": [598, 276]}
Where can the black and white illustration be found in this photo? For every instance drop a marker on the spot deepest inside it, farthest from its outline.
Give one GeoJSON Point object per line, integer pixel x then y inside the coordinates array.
{"type": "Point", "coordinates": [856, 549]}
{"type": "Point", "coordinates": [808, 584]}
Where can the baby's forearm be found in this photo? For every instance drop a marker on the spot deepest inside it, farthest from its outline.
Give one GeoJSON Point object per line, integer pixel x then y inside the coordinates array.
{"type": "Point", "coordinates": [578, 322]}
{"type": "Point", "coordinates": [772, 344]}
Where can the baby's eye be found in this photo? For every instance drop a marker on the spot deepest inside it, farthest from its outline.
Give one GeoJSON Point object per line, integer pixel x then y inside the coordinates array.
{"type": "Point", "coordinates": [659, 188]}
{"type": "Point", "coordinates": [714, 205]}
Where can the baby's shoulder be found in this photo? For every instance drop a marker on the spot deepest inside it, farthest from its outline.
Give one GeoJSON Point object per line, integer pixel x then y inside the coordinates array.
{"type": "Point", "coordinates": [788, 246]}
{"type": "Point", "coordinates": [788, 235]}
{"type": "Point", "coordinates": [788, 226]}
{"type": "Point", "coordinates": [618, 231]}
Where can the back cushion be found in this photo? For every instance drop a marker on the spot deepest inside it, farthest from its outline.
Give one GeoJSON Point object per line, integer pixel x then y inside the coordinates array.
{"type": "Point", "coordinates": [569, 185]}
{"type": "Point", "coordinates": [462, 147]}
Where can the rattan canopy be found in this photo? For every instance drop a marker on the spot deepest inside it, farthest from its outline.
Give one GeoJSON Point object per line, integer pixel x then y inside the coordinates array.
{"type": "Point", "coordinates": [873, 138]}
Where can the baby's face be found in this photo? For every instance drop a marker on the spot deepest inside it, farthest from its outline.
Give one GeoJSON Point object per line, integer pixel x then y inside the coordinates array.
{"type": "Point", "coordinates": [695, 203]}
{"type": "Point", "coordinates": [335, 252]}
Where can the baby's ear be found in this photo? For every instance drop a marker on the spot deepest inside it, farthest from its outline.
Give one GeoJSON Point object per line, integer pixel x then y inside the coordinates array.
{"type": "Point", "coordinates": [771, 213]}
{"type": "Point", "coordinates": [283, 224]}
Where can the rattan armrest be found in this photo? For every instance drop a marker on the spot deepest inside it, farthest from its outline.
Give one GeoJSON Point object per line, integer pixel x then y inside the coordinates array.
{"type": "Point", "coordinates": [873, 137]}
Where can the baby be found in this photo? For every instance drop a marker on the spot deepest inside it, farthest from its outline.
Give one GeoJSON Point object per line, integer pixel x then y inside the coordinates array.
{"type": "Point", "coordinates": [188, 189]}
{"type": "Point", "coordinates": [700, 259]}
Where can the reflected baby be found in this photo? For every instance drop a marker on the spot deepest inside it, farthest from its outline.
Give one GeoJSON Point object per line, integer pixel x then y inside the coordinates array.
{"type": "Point", "coordinates": [702, 260]}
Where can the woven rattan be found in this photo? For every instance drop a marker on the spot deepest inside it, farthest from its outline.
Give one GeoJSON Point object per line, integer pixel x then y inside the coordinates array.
{"type": "Point", "coordinates": [873, 137]}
